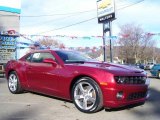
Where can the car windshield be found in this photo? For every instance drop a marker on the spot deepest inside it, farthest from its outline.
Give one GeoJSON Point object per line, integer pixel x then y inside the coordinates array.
{"type": "Point", "coordinates": [150, 63]}
{"type": "Point", "coordinates": [73, 57]}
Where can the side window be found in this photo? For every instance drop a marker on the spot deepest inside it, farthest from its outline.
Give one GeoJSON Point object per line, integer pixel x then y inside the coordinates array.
{"type": "Point", "coordinates": [62, 55]}
{"type": "Point", "coordinates": [47, 55]}
{"type": "Point", "coordinates": [156, 67]}
{"type": "Point", "coordinates": [36, 58]}
{"type": "Point", "coordinates": [39, 57]}
{"type": "Point", "coordinates": [28, 58]}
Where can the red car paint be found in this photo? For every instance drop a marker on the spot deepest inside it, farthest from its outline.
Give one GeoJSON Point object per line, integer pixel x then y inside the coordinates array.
{"type": "Point", "coordinates": [57, 80]}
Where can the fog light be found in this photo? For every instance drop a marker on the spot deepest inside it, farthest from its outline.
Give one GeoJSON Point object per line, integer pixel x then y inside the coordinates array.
{"type": "Point", "coordinates": [119, 95]}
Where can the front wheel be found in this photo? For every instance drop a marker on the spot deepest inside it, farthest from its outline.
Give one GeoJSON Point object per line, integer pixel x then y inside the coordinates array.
{"type": "Point", "coordinates": [13, 83]}
{"type": "Point", "coordinates": [87, 95]}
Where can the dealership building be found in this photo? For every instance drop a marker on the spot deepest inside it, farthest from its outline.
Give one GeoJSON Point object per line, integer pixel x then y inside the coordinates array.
{"type": "Point", "coordinates": [10, 15]}
{"type": "Point", "coordinates": [9, 30]}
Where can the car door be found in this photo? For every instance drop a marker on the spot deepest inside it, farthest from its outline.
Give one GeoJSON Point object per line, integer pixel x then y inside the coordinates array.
{"type": "Point", "coordinates": [154, 70]}
{"type": "Point", "coordinates": [42, 77]}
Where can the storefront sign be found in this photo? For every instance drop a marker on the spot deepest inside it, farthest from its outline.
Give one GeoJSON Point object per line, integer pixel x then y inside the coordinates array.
{"type": "Point", "coordinates": [7, 48]}
{"type": "Point", "coordinates": [105, 10]}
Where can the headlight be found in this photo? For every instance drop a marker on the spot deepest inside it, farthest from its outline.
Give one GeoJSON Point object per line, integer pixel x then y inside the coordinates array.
{"type": "Point", "coordinates": [130, 79]}
{"type": "Point", "coordinates": [120, 79]}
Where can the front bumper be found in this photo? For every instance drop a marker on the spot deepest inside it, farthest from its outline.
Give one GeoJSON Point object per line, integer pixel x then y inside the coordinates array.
{"type": "Point", "coordinates": [132, 94]}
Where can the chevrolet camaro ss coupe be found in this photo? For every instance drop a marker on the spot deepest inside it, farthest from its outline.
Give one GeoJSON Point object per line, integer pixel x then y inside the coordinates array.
{"type": "Point", "coordinates": [70, 75]}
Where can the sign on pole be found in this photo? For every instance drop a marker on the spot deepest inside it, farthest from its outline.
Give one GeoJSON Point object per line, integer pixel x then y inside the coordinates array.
{"type": "Point", "coordinates": [105, 10]}
{"type": "Point", "coordinates": [106, 14]}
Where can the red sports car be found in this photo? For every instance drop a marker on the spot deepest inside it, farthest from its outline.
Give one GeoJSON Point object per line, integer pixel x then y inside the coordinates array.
{"type": "Point", "coordinates": [70, 75]}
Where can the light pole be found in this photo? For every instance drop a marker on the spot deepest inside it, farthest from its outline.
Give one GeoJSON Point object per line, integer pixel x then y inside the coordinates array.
{"type": "Point", "coordinates": [107, 27]}
{"type": "Point", "coordinates": [104, 43]}
{"type": "Point", "coordinates": [110, 40]}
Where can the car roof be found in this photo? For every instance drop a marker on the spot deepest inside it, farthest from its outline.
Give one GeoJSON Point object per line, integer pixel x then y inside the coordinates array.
{"type": "Point", "coordinates": [49, 50]}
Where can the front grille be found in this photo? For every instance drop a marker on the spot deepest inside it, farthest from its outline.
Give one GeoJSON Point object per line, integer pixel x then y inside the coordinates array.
{"type": "Point", "coordinates": [138, 95]}
{"type": "Point", "coordinates": [130, 79]}
{"type": "Point", "coordinates": [136, 80]}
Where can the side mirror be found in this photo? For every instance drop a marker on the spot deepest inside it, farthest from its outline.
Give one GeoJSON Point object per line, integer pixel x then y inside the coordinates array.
{"type": "Point", "coordinates": [50, 61]}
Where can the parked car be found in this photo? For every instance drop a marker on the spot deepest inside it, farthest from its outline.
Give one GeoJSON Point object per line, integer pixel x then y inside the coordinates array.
{"type": "Point", "coordinates": [155, 71]}
{"type": "Point", "coordinates": [149, 66]}
{"type": "Point", "coordinates": [90, 84]}
{"type": "Point", "coordinates": [140, 65]}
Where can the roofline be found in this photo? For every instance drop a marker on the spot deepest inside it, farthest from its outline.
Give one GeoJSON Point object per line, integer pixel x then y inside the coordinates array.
{"type": "Point", "coordinates": [9, 9]}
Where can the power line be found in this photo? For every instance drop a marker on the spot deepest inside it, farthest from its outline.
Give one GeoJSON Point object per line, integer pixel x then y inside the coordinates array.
{"type": "Point", "coordinates": [53, 20]}
{"type": "Point", "coordinates": [49, 15]}
{"type": "Point", "coordinates": [131, 5]}
{"type": "Point", "coordinates": [45, 15]}
{"type": "Point", "coordinates": [74, 15]}
{"type": "Point", "coordinates": [86, 20]}
{"type": "Point", "coordinates": [68, 25]}
{"type": "Point", "coordinates": [62, 18]}
{"type": "Point", "coordinates": [61, 14]}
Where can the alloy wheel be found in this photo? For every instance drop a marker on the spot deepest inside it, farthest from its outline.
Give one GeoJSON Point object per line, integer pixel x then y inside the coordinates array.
{"type": "Point", "coordinates": [85, 95]}
{"type": "Point", "coordinates": [12, 83]}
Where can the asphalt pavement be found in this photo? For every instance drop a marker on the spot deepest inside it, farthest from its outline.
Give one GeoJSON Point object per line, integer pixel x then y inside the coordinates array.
{"type": "Point", "coordinates": [31, 106]}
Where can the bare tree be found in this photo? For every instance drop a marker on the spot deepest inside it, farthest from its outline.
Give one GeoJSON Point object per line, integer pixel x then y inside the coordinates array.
{"type": "Point", "coordinates": [135, 44]}
{"type": "Point", "coordinates": [48, 42]}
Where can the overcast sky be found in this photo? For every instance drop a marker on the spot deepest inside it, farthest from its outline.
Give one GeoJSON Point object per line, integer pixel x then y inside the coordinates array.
{"type": "Point", "coordinates": [48, 17]}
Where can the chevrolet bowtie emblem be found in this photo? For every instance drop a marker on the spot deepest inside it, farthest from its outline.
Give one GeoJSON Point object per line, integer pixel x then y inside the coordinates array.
{"type": "Point", "coordinates": [104, 4]}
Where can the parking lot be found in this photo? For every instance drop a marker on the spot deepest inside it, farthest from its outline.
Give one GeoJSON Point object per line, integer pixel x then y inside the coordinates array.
{"type": "Point", "coordinates": [31, 106]}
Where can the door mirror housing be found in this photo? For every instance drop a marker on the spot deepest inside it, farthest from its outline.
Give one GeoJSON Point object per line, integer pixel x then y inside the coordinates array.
{"type": "Point", "coordinates": [50, 61]}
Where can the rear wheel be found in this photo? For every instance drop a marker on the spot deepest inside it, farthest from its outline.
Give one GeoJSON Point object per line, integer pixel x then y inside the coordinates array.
{"type": "Point", "coordinates": [14, 84]}
{"type": "Point", "coordinates": [87, 95]}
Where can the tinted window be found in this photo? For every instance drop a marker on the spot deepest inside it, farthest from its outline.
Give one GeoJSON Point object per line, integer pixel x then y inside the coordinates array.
{"type": "Point", "coordinates": [39, 57]}
{"type": "Point", "coordinates": [72, 56]}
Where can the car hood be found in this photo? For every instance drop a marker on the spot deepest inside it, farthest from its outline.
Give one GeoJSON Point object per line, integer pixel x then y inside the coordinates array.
{"type": "Point", "coordinates": [113, 68]}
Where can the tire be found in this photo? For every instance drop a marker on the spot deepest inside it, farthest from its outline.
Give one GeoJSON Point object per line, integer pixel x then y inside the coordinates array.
{"type": "Point", "coordinates": [87, 95]}
{"type": "Point", "coordinates": [14, 85]}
